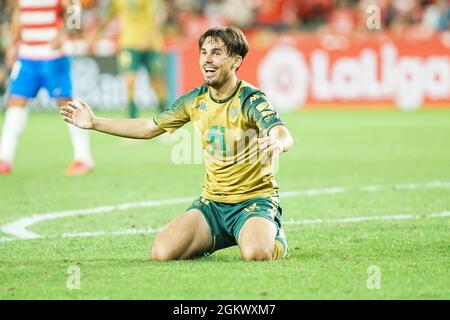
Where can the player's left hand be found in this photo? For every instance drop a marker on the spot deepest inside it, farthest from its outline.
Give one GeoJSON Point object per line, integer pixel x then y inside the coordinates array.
{"type": "Point", "coordinates": [271, 146]}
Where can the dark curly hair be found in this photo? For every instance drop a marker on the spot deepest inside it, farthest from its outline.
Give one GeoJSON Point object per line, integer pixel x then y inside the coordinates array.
{"type": "Point", "coordinates": [233, 38]}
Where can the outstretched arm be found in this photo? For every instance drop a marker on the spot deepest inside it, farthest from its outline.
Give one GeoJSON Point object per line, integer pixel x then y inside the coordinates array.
{"type": "Point", "coordinates": [278, 141]}
{"type": "Point", "coordinates": [80, 114]}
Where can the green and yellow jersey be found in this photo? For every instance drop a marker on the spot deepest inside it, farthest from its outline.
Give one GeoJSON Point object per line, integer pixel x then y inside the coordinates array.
{"type": "Point", "coordinates": [138, 19]}
{"type": "Point", "coordinates": [236, 170]}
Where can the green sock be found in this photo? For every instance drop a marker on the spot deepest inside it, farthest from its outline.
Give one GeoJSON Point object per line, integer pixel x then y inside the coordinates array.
{"type": "Point", "coordinates": [132, 110]}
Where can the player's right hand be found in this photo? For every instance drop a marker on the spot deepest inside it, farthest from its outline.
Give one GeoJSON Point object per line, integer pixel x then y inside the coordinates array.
{"type": "Point", "coordinates": [78, 113]}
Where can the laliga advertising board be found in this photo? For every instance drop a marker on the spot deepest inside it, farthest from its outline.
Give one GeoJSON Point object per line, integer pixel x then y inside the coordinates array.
{"type": "Point", "coordinates": [311, 71]}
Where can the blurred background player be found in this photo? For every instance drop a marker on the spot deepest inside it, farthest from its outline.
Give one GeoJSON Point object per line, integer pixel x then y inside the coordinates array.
{"type": "Point", "coordinates": [141, 43]}
{"type": "Point", "coordinates": [4, 13]}
{"type": "Point", "coordinates": [36, 55]}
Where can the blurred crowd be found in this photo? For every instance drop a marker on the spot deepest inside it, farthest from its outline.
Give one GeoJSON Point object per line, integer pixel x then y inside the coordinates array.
{"type": "Point", "coordinates": [331, 20]}
{"type": "Point", "coordinates": [342, 16]}
{"type": "Point", "coordinates": [190, 17]}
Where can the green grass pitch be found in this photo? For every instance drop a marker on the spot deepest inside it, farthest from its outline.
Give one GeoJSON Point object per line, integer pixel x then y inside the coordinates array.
{"type": "Point", "coordinates": [373, 190]}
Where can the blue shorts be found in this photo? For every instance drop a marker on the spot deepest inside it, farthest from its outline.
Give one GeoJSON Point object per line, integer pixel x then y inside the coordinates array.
{"type": "Point", "coordinates": [28, 76]}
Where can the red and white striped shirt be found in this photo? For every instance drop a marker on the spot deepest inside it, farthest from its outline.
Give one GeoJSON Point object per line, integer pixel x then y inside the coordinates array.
{"type": "Point", "coordinates": [40, 20]}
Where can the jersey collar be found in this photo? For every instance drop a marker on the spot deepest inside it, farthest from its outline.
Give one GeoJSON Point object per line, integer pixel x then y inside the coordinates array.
{"type": "Point", "coordinates": [228, 98]}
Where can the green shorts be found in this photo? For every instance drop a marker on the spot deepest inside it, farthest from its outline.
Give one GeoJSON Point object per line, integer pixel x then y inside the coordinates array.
{"type": "Point", "coordinates": [226, 219]}
{"type": "Point", "coordinates": [131, 59]}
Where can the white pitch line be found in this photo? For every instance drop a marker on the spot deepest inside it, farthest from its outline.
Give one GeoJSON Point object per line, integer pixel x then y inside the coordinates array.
{"type": "Point", "coordinates": [408, 186]}
{"type": "Point", "coordinates": [151, 230]}
{"type": "Point", "coordinates": [111, 233]}
{"type": "Point", "coordinates": [312, 192]}
{"type": "Point", "coordinates": [426, 185]}
{"type": "Point", "coordinates": [393, 217]}
{"type": "Point", "coordinates": [18, 228]}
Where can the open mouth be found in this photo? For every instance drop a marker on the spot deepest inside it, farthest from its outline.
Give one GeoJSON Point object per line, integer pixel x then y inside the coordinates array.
{"type": "Point", "coordinates": [209, 71]}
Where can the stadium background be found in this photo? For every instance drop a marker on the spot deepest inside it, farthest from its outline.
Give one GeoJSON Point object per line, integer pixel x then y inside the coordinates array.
{"type": "Point", "coordinates": [310, 53]}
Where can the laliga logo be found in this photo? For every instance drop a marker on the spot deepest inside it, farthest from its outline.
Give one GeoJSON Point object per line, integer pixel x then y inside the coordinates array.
{"type": "Point", "coordinates": [284, 76]}
{"type": "Point", "coordinates": [369, 77]}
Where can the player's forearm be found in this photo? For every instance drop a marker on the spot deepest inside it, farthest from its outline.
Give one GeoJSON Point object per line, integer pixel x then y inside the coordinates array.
{"type": "Point", "coordinates": [104, 22]}
{"type": "Point", "coordinates": [128, 128]}
{"type": "Point", "coordinates": [283, 137]}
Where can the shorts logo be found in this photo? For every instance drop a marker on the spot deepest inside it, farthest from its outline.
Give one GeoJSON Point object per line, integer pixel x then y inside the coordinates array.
{"type": "Point", "coordinates": [251, 208]}
{"type": "Point", "coordinates": [57, 92]}
{"type": "Point", "coordinates": [15, 70]}
{"type": "Point", "coordinates": [273, 212]}
{"type": "Point", "coordinates": [125, 59]}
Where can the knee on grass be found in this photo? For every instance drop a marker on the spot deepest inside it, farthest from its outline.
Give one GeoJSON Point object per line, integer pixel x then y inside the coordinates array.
{"type": "Point", "coordinates": [255, 253]}
{"type": "Point", "coordinates": [162, 253]}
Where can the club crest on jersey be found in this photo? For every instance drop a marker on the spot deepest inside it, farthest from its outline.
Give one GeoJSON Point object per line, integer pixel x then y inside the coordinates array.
{"type": "Point", "coordinates": [233, 112]}
{"type": "Point", "coordinates": [202, 106]}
